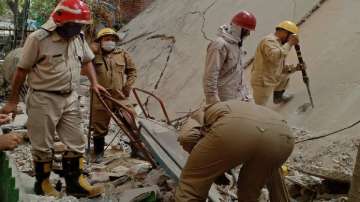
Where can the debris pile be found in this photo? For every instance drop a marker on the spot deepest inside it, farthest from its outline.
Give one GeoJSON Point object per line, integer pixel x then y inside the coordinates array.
{"type": "Point", "coordinates": [125, 178]}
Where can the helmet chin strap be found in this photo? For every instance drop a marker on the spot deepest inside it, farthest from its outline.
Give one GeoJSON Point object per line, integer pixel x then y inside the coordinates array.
{"type": "Point", "coordinates": [243, 34]}
{"type": "Point", "coordinates": [241, 38]}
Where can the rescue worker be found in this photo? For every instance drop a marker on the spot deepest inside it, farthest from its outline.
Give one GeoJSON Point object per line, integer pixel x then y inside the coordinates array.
{"type": "Point", "coordinates": [235, 133]}
{"type": "Point", "coordinates": [270, 74]}
{"type": "Point", "coordinates": [117, 73]}
{"type": "Point", "coordinates": [224, 72]}
{"type": "Point", "coordinates": [9, 67]}
{"type": "Point", "coordinates": [53, 58]}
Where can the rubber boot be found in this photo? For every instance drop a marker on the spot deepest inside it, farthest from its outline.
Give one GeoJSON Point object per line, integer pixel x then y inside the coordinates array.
{"type": "Point", "coordinates": [281, 98]}
{"type": "Point", "coordinates": [42, 184]}
{"type": "Point", "coordinates": [76, 183]}
{"type": "Point", "coordinates": [99, 143]}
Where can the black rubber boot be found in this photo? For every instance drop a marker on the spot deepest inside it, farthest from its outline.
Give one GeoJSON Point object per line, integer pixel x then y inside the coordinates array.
{"type": "Point", "coordinates": [281, 98]}
{"type": "Point", "coordinates": [99, 144]}
{"type": "Point", "coordinates": [42, 184]}
{"type": "Point", "coordinates": [76, 183]}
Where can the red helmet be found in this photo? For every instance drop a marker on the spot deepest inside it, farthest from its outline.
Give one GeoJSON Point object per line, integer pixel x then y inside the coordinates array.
{"type": "Point", "coordinates": [71, 11]}
{"type": "Point", "coordinates": [245, 20]}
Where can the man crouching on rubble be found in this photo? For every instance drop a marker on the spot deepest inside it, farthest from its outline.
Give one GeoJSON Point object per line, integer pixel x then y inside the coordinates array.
{"type": "Point", "coordinates": [233, 133]}
{"type": "Point", "coordinates": [52, 59]}
{"type": "Point", "coordinates": [116, 72]}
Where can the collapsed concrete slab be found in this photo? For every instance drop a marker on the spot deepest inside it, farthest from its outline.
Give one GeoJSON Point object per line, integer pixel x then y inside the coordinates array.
{"type": "Point", "coordinates": [172, 65]}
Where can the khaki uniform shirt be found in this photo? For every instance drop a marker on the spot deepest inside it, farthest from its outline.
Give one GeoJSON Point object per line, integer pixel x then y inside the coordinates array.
{"type": "Point", "coordinates": [269, 62]}
{"type": "Point", "coordinates": [54, 62]}
{"type": "Point", "coordinates": [224, 78]}
{"type": "Point", "coordinates": [115, 70]}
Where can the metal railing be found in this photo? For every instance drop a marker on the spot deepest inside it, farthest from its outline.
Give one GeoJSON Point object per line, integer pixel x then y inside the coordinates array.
{"type": "Point", "coordinates": [146, 112]}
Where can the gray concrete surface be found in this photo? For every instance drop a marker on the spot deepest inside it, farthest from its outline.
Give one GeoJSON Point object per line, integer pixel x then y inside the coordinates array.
{"type": "Point", "coordinates": [329, 40]}
{"type": "Point", "coordinates": [175, 70]}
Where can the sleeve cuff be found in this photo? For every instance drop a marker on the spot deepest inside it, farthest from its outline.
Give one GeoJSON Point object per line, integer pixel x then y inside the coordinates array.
{"type": "Point", "coordinates": [212, 99]}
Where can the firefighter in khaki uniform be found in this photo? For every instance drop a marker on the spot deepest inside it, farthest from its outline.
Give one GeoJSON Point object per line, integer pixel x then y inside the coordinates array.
{"type": "Point", "coordinates": [270, 74]}
{"type": "Point", "coordinates": [117, 73]}
{"type": "Point", "coordinates": [230, 135]}
{"type": "Point", "coordinates": [52, 60]}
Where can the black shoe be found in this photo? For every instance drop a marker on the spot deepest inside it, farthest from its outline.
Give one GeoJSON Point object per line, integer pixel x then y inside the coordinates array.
{"type": "Point", "coordinates": [76, 183]}
{"type": "Point", "coordinates": [281, 98]}
{"type": "Point", "coordinates": [99, 144]}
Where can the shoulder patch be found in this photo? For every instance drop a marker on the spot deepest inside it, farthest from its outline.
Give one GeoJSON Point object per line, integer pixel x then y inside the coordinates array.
{"type": "Point", "coordinates": [40, 34]}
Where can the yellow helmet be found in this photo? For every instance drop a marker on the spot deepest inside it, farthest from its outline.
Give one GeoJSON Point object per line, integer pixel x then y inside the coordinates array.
{"type": "Point", "coordinates": [107, 32]}
{"type": "Point", "coordinates": [288, 26]}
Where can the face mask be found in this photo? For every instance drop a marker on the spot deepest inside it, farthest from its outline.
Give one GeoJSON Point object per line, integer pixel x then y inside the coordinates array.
{"type": "Point", "coordinates": [108, 45]}
{"type": "Point", "coordinates": [69, 30]}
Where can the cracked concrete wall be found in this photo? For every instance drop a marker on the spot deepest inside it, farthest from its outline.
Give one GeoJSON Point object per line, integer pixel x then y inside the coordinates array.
{"type": "Point", "coordinates": [178, 75]}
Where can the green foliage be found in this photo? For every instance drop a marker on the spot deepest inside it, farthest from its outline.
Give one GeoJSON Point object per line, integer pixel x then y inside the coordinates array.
{"type": "Point", "coordinates": [2, 7]}
{"type": "Point", "coordinates": [41, 9]}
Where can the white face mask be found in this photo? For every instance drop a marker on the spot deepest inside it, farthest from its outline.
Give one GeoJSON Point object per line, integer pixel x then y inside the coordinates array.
{"type": "Point", "coordinates": [108, 45]}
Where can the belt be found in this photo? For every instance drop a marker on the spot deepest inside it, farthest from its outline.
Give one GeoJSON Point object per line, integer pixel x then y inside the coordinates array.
{"type": "Point", "coordinates": [59, 92]}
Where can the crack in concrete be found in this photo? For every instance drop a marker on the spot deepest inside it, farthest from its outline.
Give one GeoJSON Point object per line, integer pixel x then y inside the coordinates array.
{"type": "Point", "coordinates": [171, 46]}
{"type": "Point", "coordinates": [136, 38]}
{"type": "Point", "coordinates": [204, 20]}
{"type": "Point", "coordinates": [202, 15]}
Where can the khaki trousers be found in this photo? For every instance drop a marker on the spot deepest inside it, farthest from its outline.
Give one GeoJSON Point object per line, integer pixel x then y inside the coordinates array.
{"type": "Point", "coordinates": [261, 147]}
{"type": "Point", "coordinates": [262, 93]}
{"type": "Point", "coordinates": [100, 117]}
{"type": "Point", "coordinates": [50, 114]}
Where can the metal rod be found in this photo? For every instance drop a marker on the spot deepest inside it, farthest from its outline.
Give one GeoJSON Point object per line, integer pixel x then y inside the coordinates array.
{"type": "Point", "coordinates": [107, 146]}
{"type": "Point", "coordinates": [90, 126]}
{"type": "Point", "coordinates": [156, 98]}
{"type": "Point", "coordinates": [140, 104]}
{"type": "Point", "coordinates": [129, 132]}
{"type": "Point", "coordinates": [304, 73]}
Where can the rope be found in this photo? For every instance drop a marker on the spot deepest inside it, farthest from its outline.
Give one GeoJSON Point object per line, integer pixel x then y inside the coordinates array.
{"type": "Point", "coordinates": [329, 134]}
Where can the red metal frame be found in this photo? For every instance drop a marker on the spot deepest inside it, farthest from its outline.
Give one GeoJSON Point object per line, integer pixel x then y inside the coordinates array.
{"type": "Point", "coordinates": [131, 131]}
{"type": "Point", "coordinates": [146, 113]}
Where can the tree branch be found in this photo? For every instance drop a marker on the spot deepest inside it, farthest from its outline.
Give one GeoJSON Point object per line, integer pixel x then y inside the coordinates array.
{"type": "Point", "coordinates": [13, 5]}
